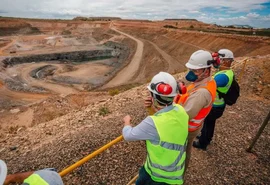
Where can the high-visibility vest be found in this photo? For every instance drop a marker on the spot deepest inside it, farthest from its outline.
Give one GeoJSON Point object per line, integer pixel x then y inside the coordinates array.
{"type": "Point", "coordinates": [165, 160]}
{"type": "Point", "coordinates": [197, 121]}
{"type": "Point", "coordinates": [34, 179]}
{"type": "Point", "coordinates": [219, 101]}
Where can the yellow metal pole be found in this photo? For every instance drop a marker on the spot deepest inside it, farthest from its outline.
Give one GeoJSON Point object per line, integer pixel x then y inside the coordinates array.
{"type": "Point", "coordinates": [133, 180]}
{"type": "Point", "coordinates": [90, 156]}
{"type": "Point", "coordinates": [265, 122]}
{"type": "Point", "coordinates": [242, 71]}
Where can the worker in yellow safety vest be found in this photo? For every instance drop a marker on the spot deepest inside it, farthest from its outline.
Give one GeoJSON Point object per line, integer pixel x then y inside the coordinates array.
{"type": "Point", "coordinates": [226, 85]}
{"type": "Point", "coordinates": [200, 95]}
{"type": "Point", "coordinates": [46, 176]}
{"type": "Point", "coordinates": [165, 134]}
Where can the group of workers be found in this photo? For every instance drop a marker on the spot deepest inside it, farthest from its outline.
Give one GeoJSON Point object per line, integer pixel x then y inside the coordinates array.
{"type": "Point", "coordinates": [178, 115]}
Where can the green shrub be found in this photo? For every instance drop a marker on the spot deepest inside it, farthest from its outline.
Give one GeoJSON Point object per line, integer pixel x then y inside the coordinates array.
{"type": "Point", "coordinates": [170, 26]}
{"type": "Point", "coordinates": [113, 92]}
{"type": "Point", "coordinates": [66, 32]}
{"type": "Point", "coordinates": [103, 111]}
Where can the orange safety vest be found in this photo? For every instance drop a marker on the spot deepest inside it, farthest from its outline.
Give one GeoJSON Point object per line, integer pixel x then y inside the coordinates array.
{"type": "Point", "coordinates": [197, 121]}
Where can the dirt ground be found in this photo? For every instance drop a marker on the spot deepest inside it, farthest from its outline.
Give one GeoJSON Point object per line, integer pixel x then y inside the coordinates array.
{"type": "Point", "coordinates": [69, 138]}
{"type": "Point", "coordinates": [57, 128]}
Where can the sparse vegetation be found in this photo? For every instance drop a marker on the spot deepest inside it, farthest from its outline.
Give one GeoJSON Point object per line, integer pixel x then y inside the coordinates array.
{"type": "Point", "coordinates": [113, 92]}
{"type": "Point", "coordinates": [103, 111]}
{"type": "Point", "coordinates": [66, 32]}
{"type": "Point", "coordinates": [170, 26]}
{"type": "Point", "coordinates": [13, 129]}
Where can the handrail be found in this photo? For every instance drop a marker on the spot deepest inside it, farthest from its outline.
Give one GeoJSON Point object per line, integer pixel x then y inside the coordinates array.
{"type": "Point", "coordinates": [133, 180]}
{"type": "Point", "coordinates": [242, 71]}
{"type": "Point", "coordinates": [90, 156]}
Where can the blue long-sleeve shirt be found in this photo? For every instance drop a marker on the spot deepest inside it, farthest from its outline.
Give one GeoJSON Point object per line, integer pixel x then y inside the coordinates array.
{"type": "Point", "coordinates": [146, 130]}
{"type": "Point", "coordinates": [221, 80]}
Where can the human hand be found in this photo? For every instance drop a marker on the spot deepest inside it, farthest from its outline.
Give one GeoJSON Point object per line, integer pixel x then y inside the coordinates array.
{"type": "Point", "coordinates": [17, 177]}
{"type": "Point", "coordinates": [148, 102]}
{"type": "Point", "coordinates": [126, 120]}
{"type": "Point", "coordinates": [7, 180]}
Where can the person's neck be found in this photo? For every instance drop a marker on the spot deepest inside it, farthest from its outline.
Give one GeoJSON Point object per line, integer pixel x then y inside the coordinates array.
{"type": "Point", "coordinates": [202, 80]}
{"type": "Point", "coordinates": [222, 68]}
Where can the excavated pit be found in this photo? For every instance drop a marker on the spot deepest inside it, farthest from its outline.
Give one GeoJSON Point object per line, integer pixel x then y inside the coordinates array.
{"type": "Point", "coordinates": [80, 70]}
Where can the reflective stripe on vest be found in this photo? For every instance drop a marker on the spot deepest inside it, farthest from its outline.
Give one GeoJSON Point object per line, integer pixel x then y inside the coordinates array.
{"type": "Point", "coordinates": [170, 178]}
{"type": "Point", "coordinates": [197, 121]}
{"type": "Point", "coordinates": [218, 100]}
{"type": "Point", "coordinates": [35, 179]}
{"type": "Point", "coordinates": [166, 159]}
{"type": "Point", "coordinates": [172, 167]}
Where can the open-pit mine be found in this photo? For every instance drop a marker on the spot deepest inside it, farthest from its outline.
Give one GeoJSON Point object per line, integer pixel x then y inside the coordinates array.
{"type": "Point", "coordinates": [65, 86]}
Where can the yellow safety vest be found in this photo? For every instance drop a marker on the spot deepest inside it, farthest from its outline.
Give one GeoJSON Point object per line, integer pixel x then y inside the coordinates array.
{"type": "Point", "coordinates": [34, 179]}
{"type": "Point", "coordinates": [166, 160]}
{"type": "Point", "coordinates": [218, 100]}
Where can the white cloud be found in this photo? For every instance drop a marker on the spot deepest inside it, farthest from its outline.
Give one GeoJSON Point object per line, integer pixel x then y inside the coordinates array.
{"type": "Point", "coordinates": [150, 9]}
{"type": "Point", "coordinates": [242, 17]}
{"type": "Point", "coordinates": [194, 11]}
{"type": "Point", "coordinates": [253, 15]}
{"type": "Point", "coordinates": [260, 21]}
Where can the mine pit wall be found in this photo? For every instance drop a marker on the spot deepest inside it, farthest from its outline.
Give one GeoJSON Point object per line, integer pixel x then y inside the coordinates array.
{"type": "Point", "coordinates": [115, 50]}
{"type": "Point", "coordinates": [120, 51]}
{"type": "Point", "coordinates": [12, 26]}
{"type": "Point", "coordinates": [123, 55]}
{"type": "Point", "coordinates": [65, 56]}
{"type": "Point", "coordinates": [173, 42]}
{"type": "Point", "coordinates": [8, 27]}
{"type": "Point", "coordinates": [239, 44]}
{"type": "Point", "coordinates": [59, 26]}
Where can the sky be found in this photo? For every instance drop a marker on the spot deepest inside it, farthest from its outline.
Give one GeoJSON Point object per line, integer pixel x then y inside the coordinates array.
{"type": "Point", "coordinates": [255, 13]}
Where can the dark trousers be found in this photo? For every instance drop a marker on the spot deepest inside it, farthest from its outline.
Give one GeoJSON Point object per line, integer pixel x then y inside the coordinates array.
{"type": "Point", "coordinates": [145, 179]}
{"type": "Point", "coordinates": [207, 131]}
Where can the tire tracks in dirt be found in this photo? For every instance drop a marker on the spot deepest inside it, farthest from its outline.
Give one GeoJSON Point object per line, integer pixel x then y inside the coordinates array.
{"type": "Point", "coordinates": [188, 44]}
{"type": "Point", "coordinates": [59, 89]}
{"type": "Point", "coordinates": [7, 46]}
{"type": "Point", "coordinates": [172, 62]}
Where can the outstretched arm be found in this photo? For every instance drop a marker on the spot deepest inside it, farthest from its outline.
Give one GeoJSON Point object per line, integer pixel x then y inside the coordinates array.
{"type": "Point", "coordinates": [145, 130]}
{"type": "Point", "coordinates": [17, 177]}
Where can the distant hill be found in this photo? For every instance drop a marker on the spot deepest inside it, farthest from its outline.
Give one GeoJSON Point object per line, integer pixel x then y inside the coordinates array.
{"type": "Point", "coordinates": [180, 20]}
{"type": "Point", "coordinates": [137, 20]}
{"type": "Point", "coordinates": [240, 26]}
{"type": "Point", "coordinates": [96, 18]}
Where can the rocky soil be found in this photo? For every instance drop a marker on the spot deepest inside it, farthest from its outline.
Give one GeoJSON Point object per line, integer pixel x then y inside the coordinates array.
{"type": "Point", "coordinates": [64, 140]}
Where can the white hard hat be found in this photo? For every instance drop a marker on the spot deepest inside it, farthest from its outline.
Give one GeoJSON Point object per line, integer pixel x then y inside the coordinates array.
{"type": "Point", "coordinates": [199, 60]}
{"type": "Point", "coordinates": [225, 53]}
{"type": "Point", "coordinates": [3, 171]}
{"type": "Point", "coordinates": [163, 84]}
